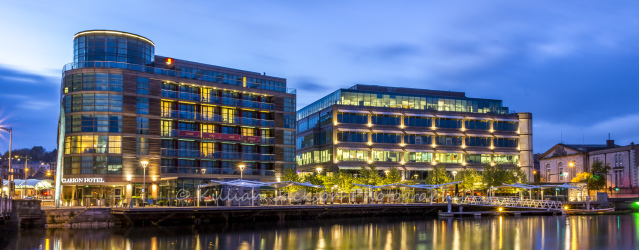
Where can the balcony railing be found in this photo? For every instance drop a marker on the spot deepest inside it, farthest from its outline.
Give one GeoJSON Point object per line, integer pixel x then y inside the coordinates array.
{"type": "Point", "coordinates": [217, 155]}
{"type": "Point", "coordinates": [167, 72]}
{"type": "Point", "coordinates": [216, 99]}
{"type": "Point", "coordinates": [217, 118]}
{"type": "Point", "coordinates": [234, 171]}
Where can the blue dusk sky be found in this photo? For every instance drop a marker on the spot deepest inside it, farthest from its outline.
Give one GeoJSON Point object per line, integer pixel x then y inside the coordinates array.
{"type": "Point", "coordinates": [573, 64]}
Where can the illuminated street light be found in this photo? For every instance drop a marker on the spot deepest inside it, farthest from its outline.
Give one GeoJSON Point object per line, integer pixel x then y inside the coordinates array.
{"type": "Point", "coordinates": [319, 170]}
{"type": "Point", "coordinates": [241, 171]}
{"type": "Point", "coordinates": [144, 164]}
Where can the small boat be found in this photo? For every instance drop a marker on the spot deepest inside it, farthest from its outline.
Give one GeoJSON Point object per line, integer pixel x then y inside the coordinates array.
{"type": "Point", "coordinates": [602, 211]}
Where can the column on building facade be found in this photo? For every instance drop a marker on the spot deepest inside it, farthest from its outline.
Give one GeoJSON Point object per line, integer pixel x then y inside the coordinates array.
{"type": "Point", "coordinates": [525, 144]}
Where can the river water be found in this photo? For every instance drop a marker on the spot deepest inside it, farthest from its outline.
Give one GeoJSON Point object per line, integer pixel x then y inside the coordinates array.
{"type": "Point", "coordinates": [507, 232]}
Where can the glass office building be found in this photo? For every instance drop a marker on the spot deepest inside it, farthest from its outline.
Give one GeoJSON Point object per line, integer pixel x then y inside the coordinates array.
{"type": "Point", "coordinates": [411, 129]}
{"type": "Point", "coordinates": [123, 105]}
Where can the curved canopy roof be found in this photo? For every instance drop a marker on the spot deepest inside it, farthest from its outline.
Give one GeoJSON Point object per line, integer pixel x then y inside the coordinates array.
{"type": "Point", "coordinates": [30, 183]}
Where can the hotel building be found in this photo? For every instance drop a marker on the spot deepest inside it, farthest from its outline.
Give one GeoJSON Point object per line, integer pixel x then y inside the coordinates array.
{"type": "Point", "coordinates": [412, 130]}
{"type": "Point", "coordinates": [123, 105]}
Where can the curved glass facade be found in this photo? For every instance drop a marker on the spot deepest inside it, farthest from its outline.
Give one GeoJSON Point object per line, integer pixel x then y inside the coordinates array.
{"type": "Point", "coordinates": [114, 46]}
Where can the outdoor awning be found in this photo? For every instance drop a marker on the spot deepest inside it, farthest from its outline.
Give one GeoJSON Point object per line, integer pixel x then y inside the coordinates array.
{"type": "Point", "coordinates": [419, 132]}
{"type": "Point", "coordinates": [478, 118]}
{"type": "Point", "coordinates": [449, 133]}
{"type": "Point", "coordinates": [506, 136]}
{"type": "Point", "coordinates": [506, 119]}
{"type": "Point", "coordinates": [418, 115]}
{"type": "Point", "coordinates": [427, 167]}
{"type": "Point", "coordinates": [353, 111]}
{"type": "Point", "coordinates": [353, 148]}
{"type": "Point", "coordinates": [506, 152]}
{"type": "Point", "coordinates": [478, 152]}
{"type": "Point", "coordinates": [388, 149]}
{"type": "Point", "coordinates": [450, 116]}
{"type": "Point", "coordinates": [448, 150]}
{"type": "Point", "coordinates": [354, 129]}
{"type": "Point", "coordinates": [478, 135]}
{"type": "Point", "coordinates": [351, 167]}
{"type": "Point", "coordinates": [388, 130]}
{"type": "Point", "coordinates": [386, 113]}
{"type": "Point", "coordinates": [31, 184]}
{"type": "Point", "coordinates": [426, 150]}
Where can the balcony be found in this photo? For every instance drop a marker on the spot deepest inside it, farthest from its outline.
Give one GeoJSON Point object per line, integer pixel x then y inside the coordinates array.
{"type": "Point", "coordinates": [217, 100]}
{"type": "Point", "coordinates": [187, 153]}
{"type": "Point", "coordinates": [226, 171]}
{"type": "Point", "coordinates": [177, 114]}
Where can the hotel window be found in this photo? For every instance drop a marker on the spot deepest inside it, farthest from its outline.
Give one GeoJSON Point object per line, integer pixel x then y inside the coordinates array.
{"type": "Point", "coordinates": [418, 121]}
{"type": "Point", "coordinates": [326, 155]}
{"type": "Point", "coordinates": [209, 95]}
{"type": "Point", "coordinates": [506, 142]}
{"type": "Point", "coordinates": [352, 155]}
{"type": "Point", "coordinates": [114, 165]}
{"type": "Point", "coordinates": [418, 139]}
{"type": "Point", "coordinates": [143, 85]}
{"type": "Point", "coordinates": [289, 137]}
{"type": "Point", "coordinates": [419, 157]}
{"type": "Point", "coordinates": [167, 128]}
{"type": "Point", "coordinates": [187, 111]}
{"type": "Point", "coordinates": [102, 82]}
{"type": "Point", "coordinates": [506, 126]}
{"type": "Point", "coordinates": [188, 126]}
{"type": "Point", "coordinates": [506, 159]}
{"type": "Point", "coordinates": [229, 115]}
{"type": "Point", "coordinates": [448, 140]}
{"type": "Point", "coordinates": [385, 119]}
{"type": "Point", "coordinates": [478, 141]}
{"type": "Point", "coordinates": [289, 154]}
{"type": "Point", "coordinates": [289, 121]}
{"type": "Point", "coordinates": [88, 82]}
{"type": "Point", "coordinates": [93, 123]}
{"type": "Point", "coordinates": [142, 146]}
{"type": "Point", "coordinates": [248, 131]}
{"type": "Point", "coordinates": [207, 149]}
{"type": "Point", "coordinates": [208, 113]}
{"type": "Point", "coordinates": [478, 158]}
{"type": "Point", "coordinates": [477, 124]}
{"type": "Point", "coordinates": [230, 130]}
{"type": "Point", "coordinates": [167, 108]}
{"type": "Point", "coordinates": [386, 138]}
{"type": "Point", "coordinates": [207, 128]}
{"type": "Point", "coordinates": [142, 127]}
{"type": "Point", "coordinates": [352, 136]}
{"type": "Point", "coordinates": [99, 144]}
{"type": "Point", "coordinates": [352, 118]}
{"type": "Point", "coordinates": [447, 123]}
{"type": "Point", "coordinates": [143, 105]}
{"type": "Point", "coordinates": [115, 144]}
{"type": "Point", "coordinates": [115, 82]}
{"type": "Point", "coordinates": [266, 133]}
{"type": "Point", "coordinates": [388, 156]}
{"type": "Point", "coordinates": [289, 104]}
{"type": "Point", "coordinates": [449, 158]}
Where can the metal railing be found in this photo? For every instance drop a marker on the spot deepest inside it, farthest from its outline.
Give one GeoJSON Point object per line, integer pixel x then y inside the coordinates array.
{"type": "Point", "coordinates": [216, 99]}
{"type": "Point", "coordinates": [168, 72]}
{"type": "Point", "coordinates": [178, 114]}
{"type": "Point", "coordinates": [217, 155]}
{"type": "Point", "coordinates": [6, 204]}
{"type": "Point", "coordinates": [227, 171]}
{"type": "Point", "coordinates": [512, 202]}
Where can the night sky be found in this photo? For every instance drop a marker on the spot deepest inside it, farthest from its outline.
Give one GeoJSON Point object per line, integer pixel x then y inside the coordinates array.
{"type": "Point", "coordinates": [573, 64]}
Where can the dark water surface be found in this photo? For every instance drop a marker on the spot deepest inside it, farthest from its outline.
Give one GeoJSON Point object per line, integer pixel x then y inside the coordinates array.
{"type": "Point", "coordinates": [534, 232]}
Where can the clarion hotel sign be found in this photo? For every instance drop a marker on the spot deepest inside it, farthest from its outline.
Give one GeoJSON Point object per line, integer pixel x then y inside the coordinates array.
{"type": "Point", "coordinates": [82, 180]}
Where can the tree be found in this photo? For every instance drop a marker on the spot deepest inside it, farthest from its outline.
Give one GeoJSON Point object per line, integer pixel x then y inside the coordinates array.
{"type": "Point", "coordinates": [518, 175]}
{"type": "Point", "coordinates": [290, 175]}
{"type": "Point", "coordinates": [598, 180]}
{"type": "Point", "coordinates": [344, 180]}
{"type": "Point", "coordinates": [468, 178]}
{"type": "Point", "coordinates": [393, 176]}
{"type": "Point", "coordinates": [369, 176]}
{"type": "Point", "coordinates": [582, 177]}
{"type": "Point", "coordinates": [438, 176]}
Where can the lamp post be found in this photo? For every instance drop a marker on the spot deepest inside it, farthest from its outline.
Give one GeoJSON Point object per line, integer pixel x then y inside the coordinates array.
{"type": "Point", "coordinates": [144, 164]}
{"type": "Point", "coordinates": [319, 170]}
{"type": "Point", "coordinates": [456, 185]}
{"type": "Point", "coordinates": [241, 171]}
{"type": "Point", "coordinates": [9, 170]}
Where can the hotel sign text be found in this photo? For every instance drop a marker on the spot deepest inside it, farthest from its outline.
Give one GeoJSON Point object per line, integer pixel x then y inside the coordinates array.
{"type": "Point", "coordinates": [82, 180]}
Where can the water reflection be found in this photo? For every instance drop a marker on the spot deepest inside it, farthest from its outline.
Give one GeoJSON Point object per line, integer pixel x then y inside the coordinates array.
{"type": "Point", "coordinates": [548, 232]}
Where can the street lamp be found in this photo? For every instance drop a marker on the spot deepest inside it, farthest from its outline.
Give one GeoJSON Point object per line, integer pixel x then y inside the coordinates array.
{"type": "Point", "coordinates": [454, 174]}
{"type": "Point", "coordinates": [319, 170]}
{"type": "Point", "coordinates": [386, 172]}
{"type": "Point", "coordinates": [203, 170]}
{"type": "Point", "coordinates": [9, 170]}
{"type": "Point", "coordinates": [241, 171]}
{"type": "Point", "coordinates": [144, 164]}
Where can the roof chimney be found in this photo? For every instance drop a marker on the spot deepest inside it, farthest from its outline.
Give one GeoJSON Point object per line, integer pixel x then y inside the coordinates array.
{"type": "Point", "coordinates": [610, 143]}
